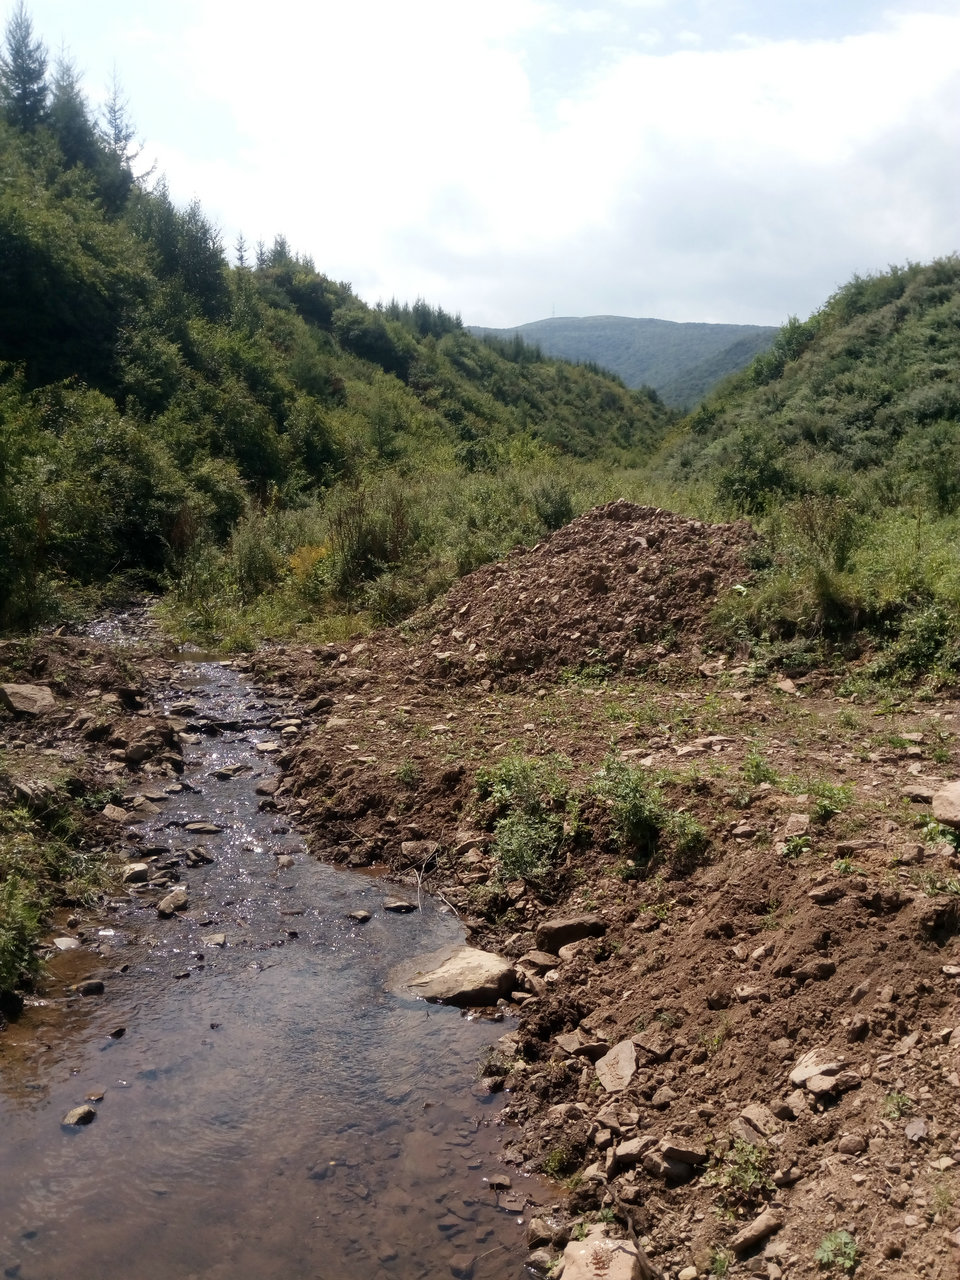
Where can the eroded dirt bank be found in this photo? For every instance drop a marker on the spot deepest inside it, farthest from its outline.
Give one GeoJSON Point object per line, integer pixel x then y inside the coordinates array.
{"type": "Point", "coordinates": [742, 1047]}
{"type": "Point", "coordinates": [759, 1026]}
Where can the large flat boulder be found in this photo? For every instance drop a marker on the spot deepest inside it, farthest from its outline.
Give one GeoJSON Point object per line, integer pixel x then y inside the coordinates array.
{"type": "Point", "coordinates": [557, 933]}
{"type": "Point", "coordinates": [27, 699]}
{"type": "Point", "coordinates": [600, 1257]}
{"type": "Point", "coordinates": [617, 1067]}
{"type": "Point", "coordinates": [467, 977]}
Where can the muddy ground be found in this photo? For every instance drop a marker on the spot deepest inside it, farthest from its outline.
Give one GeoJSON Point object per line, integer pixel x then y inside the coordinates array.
{"type": "Point", "coordinates": [757, 1026]}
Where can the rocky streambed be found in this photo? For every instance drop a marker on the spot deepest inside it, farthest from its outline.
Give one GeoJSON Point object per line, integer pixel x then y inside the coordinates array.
{"type": "Point", "coordinates": [249, 1096]}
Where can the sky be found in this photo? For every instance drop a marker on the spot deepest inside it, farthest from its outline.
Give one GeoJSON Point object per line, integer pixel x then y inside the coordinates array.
{"type": "Point", "coordinates": [509, 160]}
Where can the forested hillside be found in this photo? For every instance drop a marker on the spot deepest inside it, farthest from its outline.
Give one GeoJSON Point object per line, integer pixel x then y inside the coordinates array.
{"type": "Point", "coordinates": [843, 440]}
{"type": "Point", "coordinates": [682, 362]}
{"type": "Point", "coordinates": [251, 431]}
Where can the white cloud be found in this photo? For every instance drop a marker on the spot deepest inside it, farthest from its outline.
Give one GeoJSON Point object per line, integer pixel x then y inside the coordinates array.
{"type": "Point", "coordinates": [505, 157]}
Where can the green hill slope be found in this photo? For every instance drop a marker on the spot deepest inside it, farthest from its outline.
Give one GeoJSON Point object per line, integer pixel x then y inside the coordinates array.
{"type": "Point", "coordinates": [680, 361]}
{"type": "Point", "coordinates": [843, 443]}
{"type": "Point", "coordinates": [158, 406]}
{"type": "Point", "coordinates": [861, 399]}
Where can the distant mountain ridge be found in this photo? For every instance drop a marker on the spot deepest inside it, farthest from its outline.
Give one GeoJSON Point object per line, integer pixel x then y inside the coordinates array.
{"type": "Point", "coordinates": [680, 360]}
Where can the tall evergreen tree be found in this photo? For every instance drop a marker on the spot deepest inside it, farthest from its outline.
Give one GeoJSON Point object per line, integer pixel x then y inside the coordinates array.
{"type": "Point", "coordinates": [69, 119]}
{"type": "Point", "coordinates": [23, 73]}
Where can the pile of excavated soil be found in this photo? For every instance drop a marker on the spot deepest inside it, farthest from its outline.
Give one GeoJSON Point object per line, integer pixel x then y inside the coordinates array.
{"type": "Point", "coordinates": [607, 589]}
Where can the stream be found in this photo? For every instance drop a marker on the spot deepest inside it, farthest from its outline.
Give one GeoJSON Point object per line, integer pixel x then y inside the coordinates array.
{"type": "Point", "coordinates": [266, 1107]}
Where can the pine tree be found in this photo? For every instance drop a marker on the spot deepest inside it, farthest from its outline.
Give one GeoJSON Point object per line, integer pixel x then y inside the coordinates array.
{"type": "Point", "coordinates": [23, 73]}
{"type": "Point", "coordinates": [69, 119]}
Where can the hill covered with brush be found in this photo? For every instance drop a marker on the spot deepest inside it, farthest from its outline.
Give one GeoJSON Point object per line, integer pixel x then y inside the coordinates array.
{"type": "Point", "coordinates": [230, 429]}
{"type": "Point", "coordinates": [681, 361]}
{"type": "Point", "coordinates": [843, 443]}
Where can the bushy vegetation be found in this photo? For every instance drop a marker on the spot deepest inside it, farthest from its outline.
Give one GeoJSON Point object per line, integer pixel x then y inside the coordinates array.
{"type": "Point", "coordinates": [643, 822]}
{"type": "Point", "coordinates": [842, 444]}
{"type": "Point", "coordinates": [248, 434]}
{"type": "Point", "coordinates": [526, 802]}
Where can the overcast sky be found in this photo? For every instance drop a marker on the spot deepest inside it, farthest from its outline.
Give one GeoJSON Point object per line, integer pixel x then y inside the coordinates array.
{"type": "Point", "coordinates": [726, 160]}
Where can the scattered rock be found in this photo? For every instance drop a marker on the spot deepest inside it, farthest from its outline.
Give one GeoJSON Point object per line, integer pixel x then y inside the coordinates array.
{"type": "Point", "coordinates": [757, 1231]}
{"type": "Point", "coordinates": [599, 1257]}
{"type": "Point", "coordinates": [27, 699]}
{"type": "Point", "coordinates": [946, 805]}
{"type": "Point", "coordinates": [616, 1069]}
{"type": "Point", "coordinates": [173, 902]}
{"type": "Point", "coordinates": [79, 1115]}
{"type": "Point", "coordinates": [556, 933]}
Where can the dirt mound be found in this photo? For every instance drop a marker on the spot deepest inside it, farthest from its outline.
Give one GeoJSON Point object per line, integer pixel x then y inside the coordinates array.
{"type": "Point", "coordinates": [606, 589]}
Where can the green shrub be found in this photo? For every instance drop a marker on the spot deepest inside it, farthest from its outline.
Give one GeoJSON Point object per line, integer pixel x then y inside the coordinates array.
{"type": "Point", "coordinates": [838, 1250]}
{"type": "Point", "coordinates": [527, 801]}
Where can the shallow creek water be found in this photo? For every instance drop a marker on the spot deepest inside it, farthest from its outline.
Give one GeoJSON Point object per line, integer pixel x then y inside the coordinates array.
{"type": "Point", "coordinates": [271, 1108]}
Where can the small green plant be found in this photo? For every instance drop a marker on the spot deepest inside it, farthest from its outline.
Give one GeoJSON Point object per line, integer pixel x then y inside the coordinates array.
{"type": "Point", "coordinates": [720, 1262]}
{"type": "Point", "coordinates": [828, 799]}
{"type": "Point", "coordinates": [667, 1019]}
{"type": "Point", "coordinates": [409, 773]}
{"type": "Point", "coordinates": [527, 799]}
{"type": "Point", "coordinates": [943, 1199]}
{"type": "Point", "coordinates": [757, 770]}
{"type": "Point", "coordinates": [934, 886]}
{"type": "Point", "coordinates": [846, 867]}
{"type": "Point", "coordinates": [714, 1041]}
{"type": "Point", "coordinates": [743, 1173]}
{"type": "Point", "coordinates": [838, 1250]}
{"type": "Point", "coordinates": [794, 846]}
{"type": "Point", "coordinates": [897, 1105]}
{"type": "Point", "coordinates": [937, 833]}
{"type": "Point", "coordinates": [559, 1160]}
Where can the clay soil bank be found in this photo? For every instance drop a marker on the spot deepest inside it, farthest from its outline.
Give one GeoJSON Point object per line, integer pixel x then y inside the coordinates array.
{"type": "Point", "coordinates": [758, 1022]}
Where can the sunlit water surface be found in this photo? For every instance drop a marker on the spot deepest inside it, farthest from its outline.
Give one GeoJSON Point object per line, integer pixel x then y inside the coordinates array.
{"type": "Point", "coordinates": [271, 1109]}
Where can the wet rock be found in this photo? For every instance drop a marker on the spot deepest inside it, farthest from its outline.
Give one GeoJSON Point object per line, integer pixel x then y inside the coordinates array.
{"type": "Point", "coordinates": [417, 853]}
{"type": "Point", "coordinates": [462, 1265]}
{"type": "Point", "coordinates": [285, 860]}
{"type": "Point", "coordinates": [540, 1262]}
{"type": "Point", "coordinates": [361, 917]}
{"type": "Point", "coordinates": [203, 828]}
{"type": "Point", "coordinates": [468, 977]}
{"type": "Point", "coordinates": [27, 699]}
{"type": "Point", "coordinates": [66, 944]}
{"type": "Point", "coordinates": [399, 905]}
{"type": "Point", "coordinates": [79, 1115]}
{"type": "Point", "coordinates": [616, 1069]}
{"type": "Point", "coordinates": [136, 873]}
{"type": "Point", "coordinates": [554, 934]}
{"type": "Point", "coordinates": [113, 813]}
{"type": "Point", "coordinates": [175, 901]}
{"type": "Point", "coordinates": [92, 987]}
{"type": "Point", "coordinates": [214, 940]}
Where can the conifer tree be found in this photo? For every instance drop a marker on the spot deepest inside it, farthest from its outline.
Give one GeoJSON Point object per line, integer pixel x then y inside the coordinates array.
{"type": "Point", "coordinates": [69, 119]}
{"type": "Point", "coordinates": [23, 73]}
